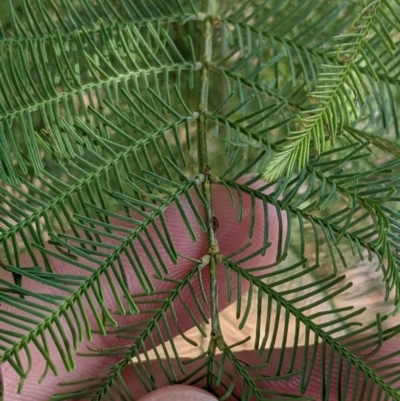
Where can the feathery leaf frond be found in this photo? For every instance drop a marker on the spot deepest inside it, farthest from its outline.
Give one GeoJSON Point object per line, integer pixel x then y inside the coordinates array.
{"type": "Point", "coordinates": [133, 139]}
{"type": "Point", "coordinates": [340, 90]}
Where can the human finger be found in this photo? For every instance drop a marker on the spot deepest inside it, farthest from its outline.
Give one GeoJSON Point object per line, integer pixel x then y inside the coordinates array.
{"type": "Point", "coordinates": [366, 377]}
{"type": "Point", "coordinates": [232, 234]}
{"type": "Point", "coordinates": [179, 392]}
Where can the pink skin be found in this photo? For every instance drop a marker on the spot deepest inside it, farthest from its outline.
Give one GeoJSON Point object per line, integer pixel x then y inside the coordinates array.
{"type": "Point", "coordinates": [179, 392]}
{"type": "Point", "coordinates": [231, 235]}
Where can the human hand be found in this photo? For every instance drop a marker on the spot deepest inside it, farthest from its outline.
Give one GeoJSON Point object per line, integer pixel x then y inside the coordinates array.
{"type": "Point", "coordinates": [231, 235]}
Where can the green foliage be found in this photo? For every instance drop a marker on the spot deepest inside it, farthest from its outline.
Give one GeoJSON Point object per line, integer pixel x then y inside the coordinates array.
{"type": "Point", "coordinates": [115, 112]}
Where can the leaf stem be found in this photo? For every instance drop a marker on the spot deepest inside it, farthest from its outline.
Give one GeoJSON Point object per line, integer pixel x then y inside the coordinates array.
{"type": "Point", "coordinates": [204, 88]}
{"type": "Point", "coordinates": [204, 168]}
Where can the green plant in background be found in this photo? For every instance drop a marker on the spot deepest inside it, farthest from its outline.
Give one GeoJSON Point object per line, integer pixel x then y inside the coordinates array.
{"type": "Point", "coordinates": [129, 127]}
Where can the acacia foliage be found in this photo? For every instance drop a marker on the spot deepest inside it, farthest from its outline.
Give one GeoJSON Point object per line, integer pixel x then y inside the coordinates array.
{"type": "Point", "coordinates": [116, 116]}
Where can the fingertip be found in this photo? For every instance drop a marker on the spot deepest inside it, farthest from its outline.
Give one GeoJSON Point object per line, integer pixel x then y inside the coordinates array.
{"type": "Point", "coordinates": [178, 392]}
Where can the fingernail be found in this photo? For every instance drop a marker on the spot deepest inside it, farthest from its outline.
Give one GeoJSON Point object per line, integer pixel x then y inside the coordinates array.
{"type": "Point", "coordinates": [178, 392]}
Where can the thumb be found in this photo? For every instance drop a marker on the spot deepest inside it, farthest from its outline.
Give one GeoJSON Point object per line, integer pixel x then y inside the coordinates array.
{"type": "Point", "coordinates": [343, 382]}
{"type": "Point", "coordinates": [179, 392]}
{"type": "Point", "coordinates": [133, 264]}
